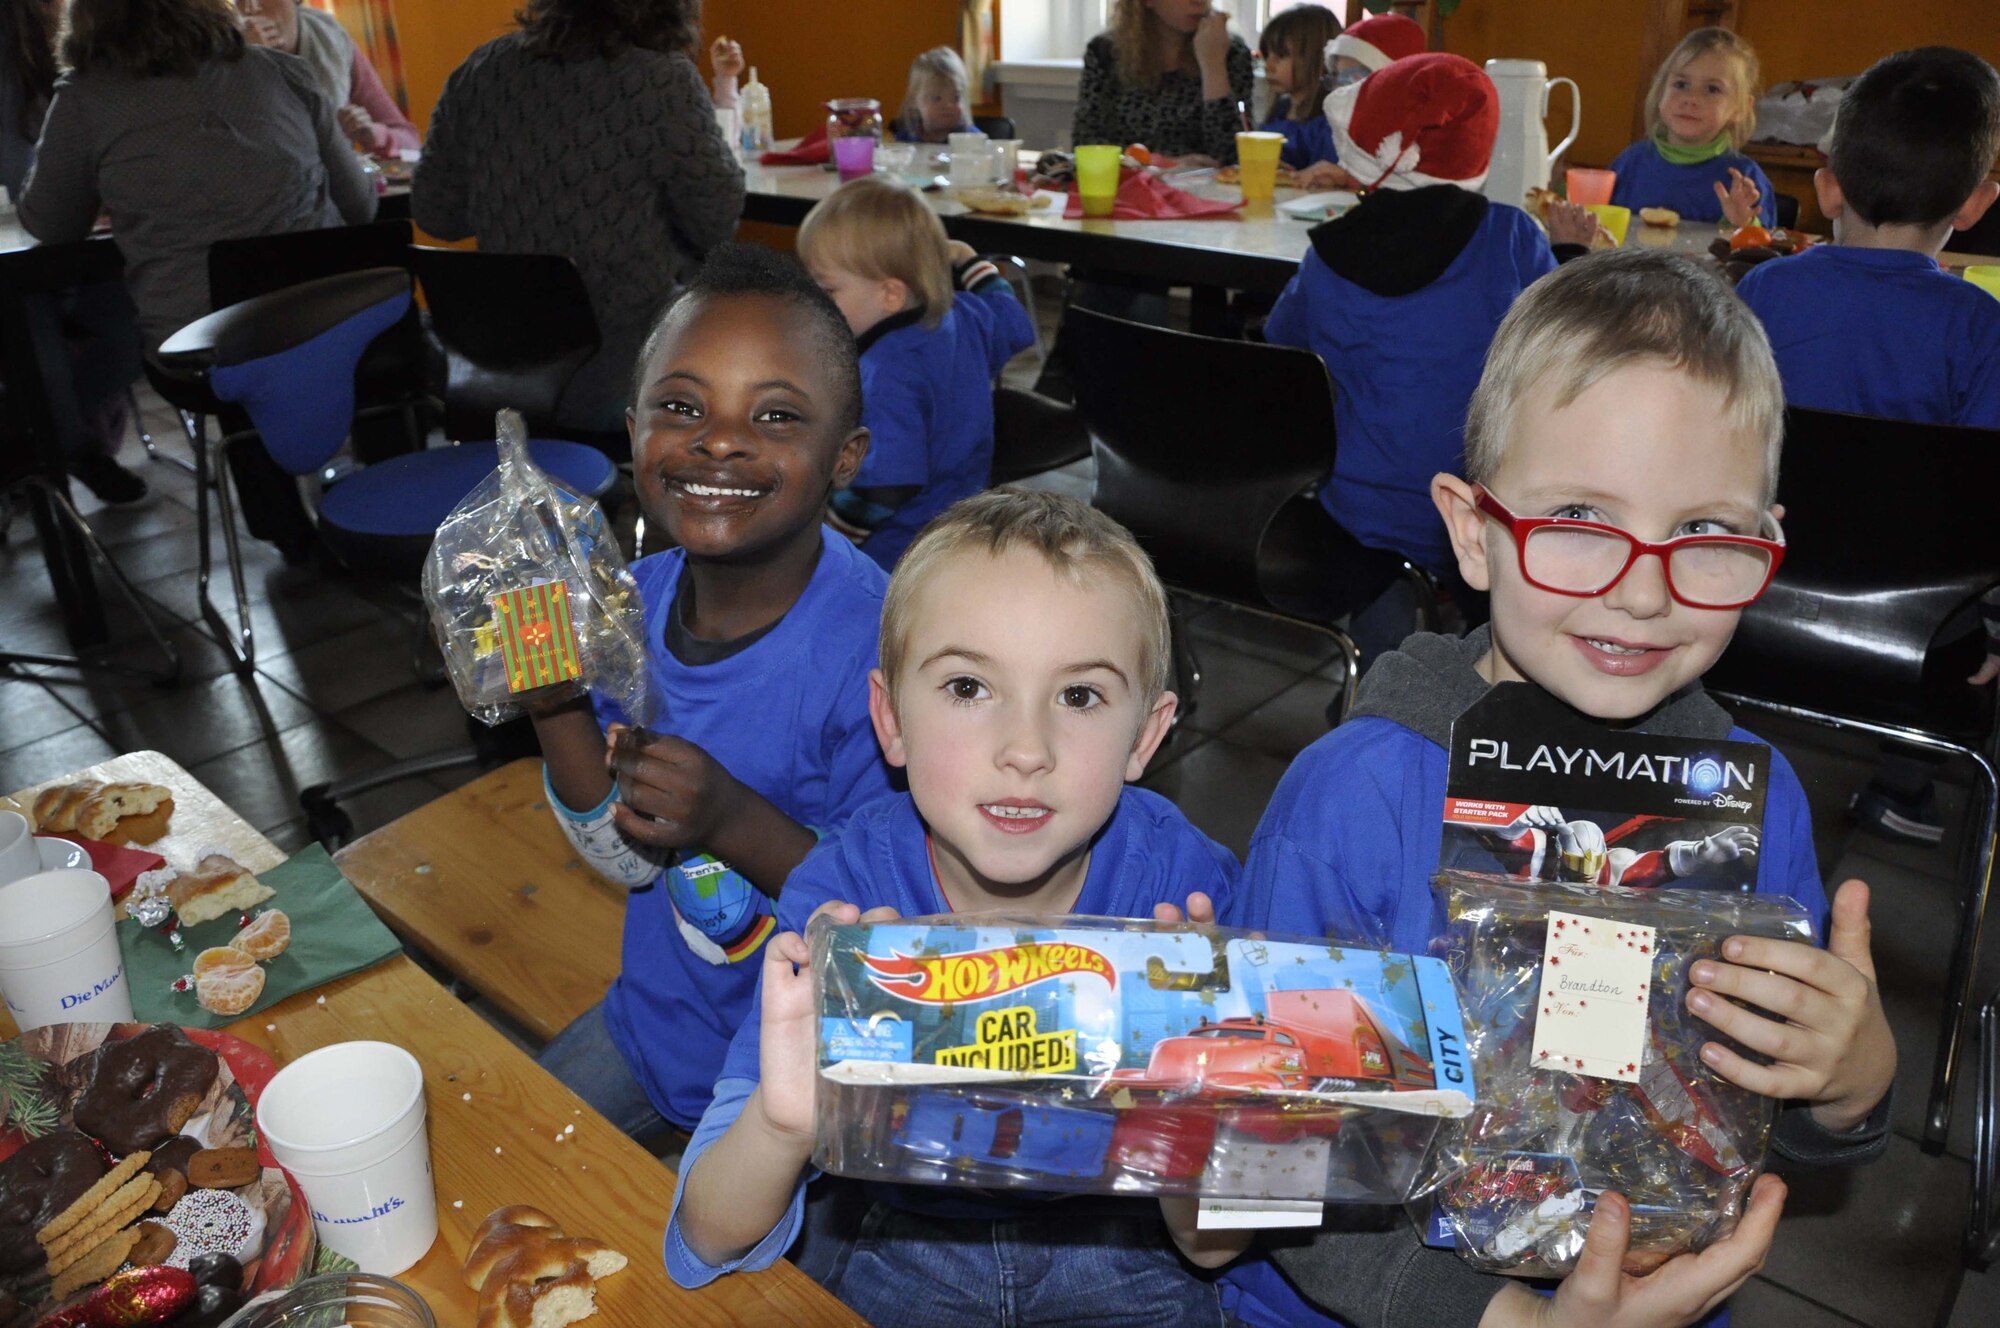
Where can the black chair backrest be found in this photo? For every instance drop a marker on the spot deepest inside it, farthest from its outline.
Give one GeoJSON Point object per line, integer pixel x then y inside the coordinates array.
{"type": "Point", "coordinates": [515, 329]}
{"type": "Point", "coordinates": [994, 126]}
{"type": "Point", "coordinates": [1891, 531]}
{"type": "Point", "coordinates": [1199, 441]}
{"type": "Point", "coordinates": [275, 322]}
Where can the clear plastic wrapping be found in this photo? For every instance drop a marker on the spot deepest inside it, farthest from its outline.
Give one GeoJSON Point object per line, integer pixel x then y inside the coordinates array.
{"type": "Point", "coordinates": [529, 592]}
{"type": "Point", "coordinates": [1106, 1056]}
{"type": "Point", "coordinates": [1516, 1180]}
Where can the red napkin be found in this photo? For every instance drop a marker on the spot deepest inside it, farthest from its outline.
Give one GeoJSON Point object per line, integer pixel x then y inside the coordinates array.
{"type": "Point", "coordinates": [1143, 195]}
{"type": "Point", "coordinates": [117, 864]}
{"type": "Point", "coordinates": [812, 150]}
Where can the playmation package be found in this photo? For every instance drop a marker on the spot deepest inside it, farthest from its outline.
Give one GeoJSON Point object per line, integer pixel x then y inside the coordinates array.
{"type": "Point", "coordinates": [1589, 1070]}
{"type": "Point", "coordinates": [1107, 1056]}
{"type": "Point", "coordinates": [528, 592]}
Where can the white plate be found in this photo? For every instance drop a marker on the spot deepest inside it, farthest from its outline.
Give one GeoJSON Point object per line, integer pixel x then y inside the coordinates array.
{"type": "Point", "coordinates": [60, 854]}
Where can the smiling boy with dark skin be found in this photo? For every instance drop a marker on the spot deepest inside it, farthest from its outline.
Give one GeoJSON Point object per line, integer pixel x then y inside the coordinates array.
{"type": "Point", "coordinates": [760, 631]}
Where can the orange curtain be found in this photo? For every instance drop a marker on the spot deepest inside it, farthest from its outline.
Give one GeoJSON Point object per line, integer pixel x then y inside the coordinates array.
{"type": "Point", "coordinates": [372, 24]}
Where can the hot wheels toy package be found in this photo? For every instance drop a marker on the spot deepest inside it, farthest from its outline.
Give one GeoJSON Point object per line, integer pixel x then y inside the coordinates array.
{"type": "Point", "coordinates": [1110, 1056]}
{"type": "Point", "coordinates": [528, 592]}
{"type": "Point", "coordinates": [1516, 1180]}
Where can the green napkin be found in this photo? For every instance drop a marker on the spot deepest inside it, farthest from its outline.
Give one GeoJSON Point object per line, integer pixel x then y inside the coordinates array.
{"type": "Point", "coordinates": [334, 933]}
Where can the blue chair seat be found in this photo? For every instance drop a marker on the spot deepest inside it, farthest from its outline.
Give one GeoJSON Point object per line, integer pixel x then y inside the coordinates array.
{"type": "Point", "coordinates": [382, 519]}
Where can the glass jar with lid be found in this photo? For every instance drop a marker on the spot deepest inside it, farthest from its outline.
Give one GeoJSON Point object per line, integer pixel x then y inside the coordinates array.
{"type": "Point", "coordinates": [350, 1298]}
{"type": "Point", "coordinates": [850, 117]}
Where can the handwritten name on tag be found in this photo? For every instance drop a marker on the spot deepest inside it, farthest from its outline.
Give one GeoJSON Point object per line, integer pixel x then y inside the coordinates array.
{"type": "Point", "coordinates": [1591, 1015]}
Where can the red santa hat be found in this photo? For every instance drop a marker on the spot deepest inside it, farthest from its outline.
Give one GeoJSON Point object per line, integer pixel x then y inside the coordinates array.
{"type": "Point", "coordinates": [1378, 40]}
{"type": "Point", "coordinates": [1429, 119]}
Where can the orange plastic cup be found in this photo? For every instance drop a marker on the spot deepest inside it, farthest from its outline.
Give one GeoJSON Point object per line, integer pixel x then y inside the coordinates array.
{"type": "Point", "coordinates": [1585, 186]}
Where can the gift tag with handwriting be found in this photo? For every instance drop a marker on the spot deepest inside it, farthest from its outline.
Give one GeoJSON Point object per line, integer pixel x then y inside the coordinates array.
{"type": "Point", "coordinates": [1591, 1015]}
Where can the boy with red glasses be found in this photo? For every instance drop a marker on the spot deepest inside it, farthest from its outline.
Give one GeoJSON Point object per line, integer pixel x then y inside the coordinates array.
{"type": "Point", "coordinates": [1621, 457]}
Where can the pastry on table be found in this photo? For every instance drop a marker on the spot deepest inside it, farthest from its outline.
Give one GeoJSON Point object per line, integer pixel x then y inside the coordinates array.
{"type": "Point", "coordinates": [123, 813]}
{"type": "Point", "coordinates": [530, 1275]}
{"type": "Point", "coordinates": [217, 885]}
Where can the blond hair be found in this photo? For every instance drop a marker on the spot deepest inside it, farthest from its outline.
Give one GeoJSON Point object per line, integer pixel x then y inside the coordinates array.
{"type": "Point", "coordinates": [1138, 62]}
{"type": "Point", "coordinates": [1609, 310]}
{"type": "Point", "coordinates": [1074, 538]}
{"type": "Point", "coordinates": [1692, 47]}
{"type": "Point", "coordinates": [877, 230]}
{"type": "Point", "coordinates": [940, 64]}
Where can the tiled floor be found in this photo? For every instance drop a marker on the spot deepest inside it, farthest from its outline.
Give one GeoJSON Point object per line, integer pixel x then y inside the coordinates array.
{"type": "Point", "coordinates": [335, 693]}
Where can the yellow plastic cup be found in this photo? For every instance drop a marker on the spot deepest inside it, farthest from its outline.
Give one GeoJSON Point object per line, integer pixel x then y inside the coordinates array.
{"type": "Point", "coordinates": [1986, 277]}
{"type": "Point", "coordinates": [1257, 159]}
{"type": "Point", "coordinates": [1097, 178]}
{"type": "Point", "coordinates": [1613, 218]}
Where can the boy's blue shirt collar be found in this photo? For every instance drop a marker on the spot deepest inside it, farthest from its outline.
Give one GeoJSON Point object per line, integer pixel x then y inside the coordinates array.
{"type": "Point", "coordinates": [1886, 259]}
{"type": "Point", "coordinates": [893, 323]}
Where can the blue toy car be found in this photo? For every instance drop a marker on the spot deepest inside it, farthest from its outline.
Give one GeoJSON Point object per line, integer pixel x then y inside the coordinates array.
{"type": "Point", "coordinates": [1042, 1140]}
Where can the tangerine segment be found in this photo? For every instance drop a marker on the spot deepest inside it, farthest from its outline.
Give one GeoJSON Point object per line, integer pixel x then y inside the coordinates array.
{"type": "Point", "coordinates": [1748, 237]}
{"type": "Point", "coordinates": [1140, 153]}
{"type": "Point", "coordinates": [226, 980]}
{"type": "Point", "coordinates": [265, 938]}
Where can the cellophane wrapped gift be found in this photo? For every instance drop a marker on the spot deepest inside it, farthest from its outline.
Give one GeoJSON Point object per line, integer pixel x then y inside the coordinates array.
{"type": "Point", "coordinates": [1116, 1057]}
{"type": "Point", "coordinates": [528, 592]}
{"type": "Point", "coordinates": [1516, 1179]}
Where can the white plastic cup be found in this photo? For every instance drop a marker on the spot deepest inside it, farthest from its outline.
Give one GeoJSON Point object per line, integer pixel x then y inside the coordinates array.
{"type": "Point", "coordinates": [971, 159]}
{"type": "Point", "coordinates": [347, 1121]}
{"type": "Point", "coordinates": [18, 855]}
{"type": "Point", "coordinates": [1006, 158]}
{"type": "Point", "coordinates": [59, 959]}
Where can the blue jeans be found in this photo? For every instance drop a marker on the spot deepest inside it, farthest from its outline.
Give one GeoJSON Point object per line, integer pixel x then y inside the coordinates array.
{"type": "Point", "coordinates": [1049, 1269]}
{"type": "Point", "coordinates": [589, 1063]}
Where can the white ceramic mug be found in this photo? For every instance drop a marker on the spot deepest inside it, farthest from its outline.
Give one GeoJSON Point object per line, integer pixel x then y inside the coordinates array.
{"type": "Point", "coordinates": [18, 855]}
{"type": "Point", "coordinates": [347, 1121]}
{"type": "Point", "coordinates": [59, 958]}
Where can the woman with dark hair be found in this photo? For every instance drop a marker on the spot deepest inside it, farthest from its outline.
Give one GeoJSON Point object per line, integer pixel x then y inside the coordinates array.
{"type": "Point", "coordinates": [168, 122]}
{"type": "Point", "coordinates": [587, 132]}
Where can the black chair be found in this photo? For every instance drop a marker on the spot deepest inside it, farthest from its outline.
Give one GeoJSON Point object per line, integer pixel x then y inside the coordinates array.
{"type": "Point", "coordinates": [1850, 634]}
{"type": "Point", "coordinates": [994, 126]}
{"type": "Point", "coordinates": [1788, 210]}
{"type": "Point", "coordinates": [1217, 484]}
{"type": "Point", "coordinates": [515, 329]}
{"type": "Point", "coordinates": [1033, 434]}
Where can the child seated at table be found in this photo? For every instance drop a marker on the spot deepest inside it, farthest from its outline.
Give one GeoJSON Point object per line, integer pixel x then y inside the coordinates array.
{"type": "Point", "coordinates": [1871, 325]}
{"type": "Point", "coordinates": [1295, 45]}
{"type": "Point", "coordinates": [1400, 297]}
{"type": "Point", "coordinates": [1025, 651]}
{"type": "Point", "coordinates": [938, 101]}
{"type": "Point", "coordinates": [928, 357]}
{"type": "Point", "coordinates": [760, 627]}
{"type": "Point", "coordinates": [1632, 392]}
{"type": "Point", "coordinates": [1700, 111]}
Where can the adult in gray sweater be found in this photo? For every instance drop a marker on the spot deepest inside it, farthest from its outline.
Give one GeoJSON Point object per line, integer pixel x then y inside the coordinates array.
{"type": "Point", "coordinates": [587, 133]}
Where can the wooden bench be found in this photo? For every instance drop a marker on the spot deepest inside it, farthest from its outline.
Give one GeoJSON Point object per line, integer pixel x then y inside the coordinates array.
{"type": "Point", "coordinates": [483, 882]}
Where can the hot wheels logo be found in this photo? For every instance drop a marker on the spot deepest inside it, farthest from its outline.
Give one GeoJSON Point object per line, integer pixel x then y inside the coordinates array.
{"type": "Point", "coordinates": [946, 979]}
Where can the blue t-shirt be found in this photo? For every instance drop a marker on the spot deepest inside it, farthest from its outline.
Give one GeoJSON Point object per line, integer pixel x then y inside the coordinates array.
{"type": "Point", "coordinates": [1403, 368]}
{"type": "Point", "coordinates": [1146, 854]}
{"type": "Point", "coordinates": [927, 399]}
{"type": "Point", "coordinates": [1306, 141]}
{"type": "Point", "coordinates": [1646, 179]}
{"type": "Point", "coordinates": [788, 716]}
{"type": "Point", "coordinates": [1880, 332]}
{"type": "Point", "coordinates": [1350, 840]}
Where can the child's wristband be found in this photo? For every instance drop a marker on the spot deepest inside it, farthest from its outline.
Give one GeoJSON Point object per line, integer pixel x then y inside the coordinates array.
{"type": "Point", "coordinates": [602, 845]}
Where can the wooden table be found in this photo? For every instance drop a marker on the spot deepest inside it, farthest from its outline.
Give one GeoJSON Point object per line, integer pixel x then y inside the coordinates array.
{"type": "Point", "coordinates": [484, 882]}
{"type": "Point", "coordinates": [494, 1119]}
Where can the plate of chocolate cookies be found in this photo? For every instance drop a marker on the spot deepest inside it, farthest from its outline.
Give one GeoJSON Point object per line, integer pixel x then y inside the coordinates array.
{"type": "Point", "coordinates": [131, 1172]}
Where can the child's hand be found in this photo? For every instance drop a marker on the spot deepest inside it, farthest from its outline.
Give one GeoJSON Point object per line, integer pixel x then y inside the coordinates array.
{"type": "Point", "coordinates": [1572, 223]}
{"type": "Point", "coordinates": [1833, 1047]}
{"type": "Point", "coordinates": [671, 793]}
{"type": "Point", "coordinates": [1211, 41]}
{"type": "Point", "coordinates": [726, 57]}
{"type": "Point", "coordinates": [1740, 198]}
{"type": "Point", "coordinates": [1987, 672]}
{"type": "Point", "coordinates": [788, 1052]}
{"type": "Point", "coordinates": [1683, 1290]}
{"type": "Point", "coordinates": [1200, 909]}
{"type": "Point", "coordinates": [1322, 175]}
{"type": "Point", "coordinates": [958, 251]}
{"type": "Point", "coordinates": [357, 124]}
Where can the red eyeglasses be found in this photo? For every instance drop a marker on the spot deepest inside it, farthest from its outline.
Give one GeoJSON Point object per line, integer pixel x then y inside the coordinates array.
{"type": "Point", "coordinates": [1586, 558]}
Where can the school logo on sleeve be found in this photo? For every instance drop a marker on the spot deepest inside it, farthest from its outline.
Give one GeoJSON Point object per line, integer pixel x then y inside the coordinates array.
{"type": "Point", "coordinates": [723, 917]}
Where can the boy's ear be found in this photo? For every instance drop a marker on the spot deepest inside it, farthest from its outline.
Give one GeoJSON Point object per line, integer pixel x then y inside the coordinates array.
{"type": "Point", "coordinates": [1827, 189]}
{"type": "Point", "coordinates": [1975, 206]}
{"type": "Point", "coordinates": [1466, 525]}
{"type": "Point", "coordinates": [847, 462]}
{"type": "Point", "coordinates": [895, 295]}
{"type": "Point", "coordinates": [882, 711]}
{"type": "Point", "coordinates": [1159, 721]}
